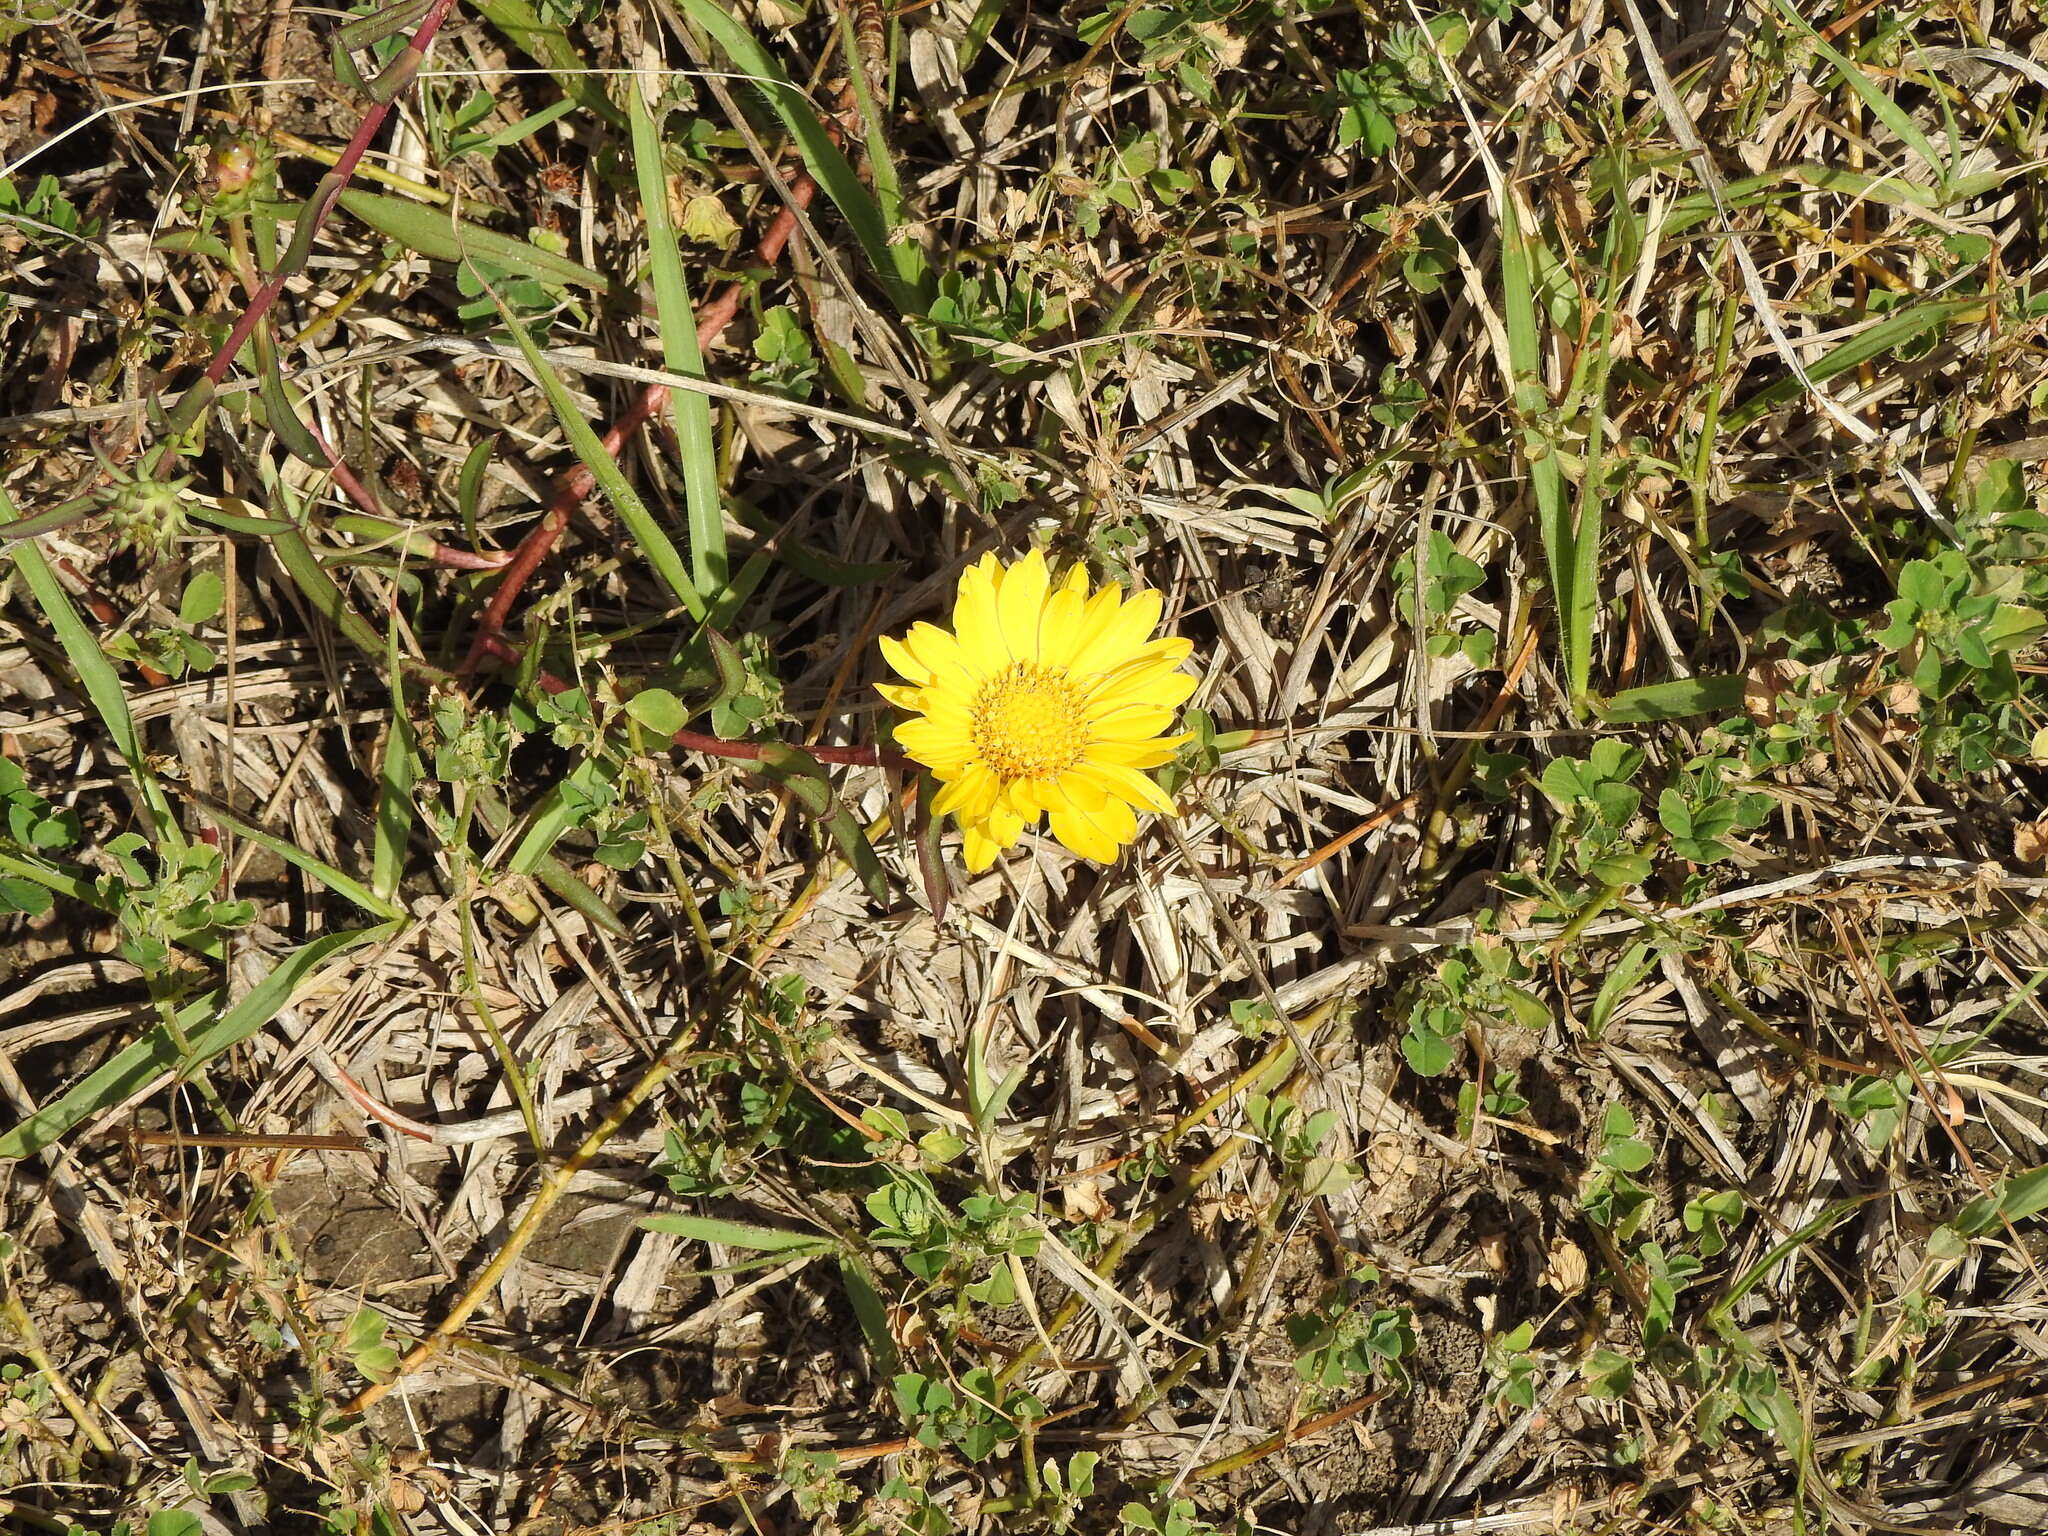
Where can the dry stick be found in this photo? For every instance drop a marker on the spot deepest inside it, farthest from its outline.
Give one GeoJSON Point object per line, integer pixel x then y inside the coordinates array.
{"type": "Point", "coordinates": [534, 548]}
{"type": "Point", "coordinates": [554, 1184]}
{"type": "Point", "coordinates": [385, 91]}
{"type": "Point", "coordinates": [1236, 1461]}
{"type": "Point", "coordinates": [1279, 1058]}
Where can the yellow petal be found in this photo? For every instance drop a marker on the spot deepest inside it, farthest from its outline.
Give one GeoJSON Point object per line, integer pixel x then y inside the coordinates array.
{"type": "Point", "coordinates": [1020, 605]}
{"type": "Point", "coordinates": [902, 695]}
{"type": "Point", "coordinates": [932, 744]}
{"type": "Point", "coordinates": [1130, 722]}
{"type": "Point", "coordinates": [1136, 754]}
{"type": "Point", "coordinates": [1058, 647]}
{"type": "Point", "coordinates": [1121, 637]}
{"type": "Point", "coordinates": [975, 623]}
{"type": "Point", "coordinates": [939, 653]}
{"type": "Point", "coordinates": [977, 849]}
{"type": "Point", "coordinates": [1158, 687]}
{"type": "Point", "coordinates": [970, 797]}
{"type": "Point", "coordinates": [1069, 792]}
{"type": "Point", "coordinates": [1015, 800]}
{"type": "Point", "coordinates": [1096, 836]}
{"type": "Point", "coordinates": [1004, 824]}
{"type": "Point", "coordinates": [1126, 784]}
{"type": "Point", "coordinates": [898, 655]}
{"type": "Point", "coordinates": [1062, 621]}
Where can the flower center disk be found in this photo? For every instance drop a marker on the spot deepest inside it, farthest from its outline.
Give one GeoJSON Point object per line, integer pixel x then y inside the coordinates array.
{"type": "Point", "coordinates": [1028, 722]}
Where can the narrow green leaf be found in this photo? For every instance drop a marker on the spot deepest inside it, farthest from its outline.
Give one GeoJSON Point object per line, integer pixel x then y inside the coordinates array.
{"type": "Point", "coordinates": [870, 1312]}
{"type": "Point", "coordinates": [97, 677]}
{"type": "Point", "coordinates": [550, 871]}
{"type": "Point", "coordinates": [396, 775]}
{"type": "Point", "coordinates": [1678, 699]}
{"type": "Point", "coordinates": [907, 255]}
{"type": "Point", "coordinates": [522, 26]}
{"type": "Point", "coordinates": [653, 540]}
{"type": "Point", "coordinates": [680, 354]}
{"type": "Point", "coordinates": [1873, 341]}
{"type": "Point", "coordinates": [430, 232]}
{"type": "Point", "coordinates": [1887, 111]}
{"type": "Point", "coordinates": [2021, 1196]}
{"type": "Point", "coordinates": [281, 415]}
{"type": "Point", "coordinates": [806, 780]}
{"type": "Point", "coordinates": [1634, 965]}
{"type": "Point", "coordinates": [550, 819]}
{"type": "Point", "coordinates": [740, 1234]}
{"type": "Point", "coordinates": [1576, 609]}
{"type": "Point", "coordinates": [343, 885]}
{"type": "Point", "coordinates": [469, 485]}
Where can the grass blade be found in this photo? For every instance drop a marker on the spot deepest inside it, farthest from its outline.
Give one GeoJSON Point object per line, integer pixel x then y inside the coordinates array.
{"type": "Point", "coordinates": [652, 538]}
{"type": "Point", "coordinates": [1576, 608]}
{"type": "Point", "coordinates": [430, 232]}
{"type": "Point", "coordinates": [1873, 341]}
{"type": "Point", "coordinates": [396, 775]}
{"type": "Point", "coordinates": [740, 1234]}
{"type": "Point", "coordinates": [1679, 699]}
{"type": "Point", "coordinates": [343, 885]}
{"type": "Point", "coordinates": [97, 677]}
{"type": "Point", "coordinates": [549, 42]}
{"type": "Point", "coordinates": [1882, 107]}
{"type": "Point", "coordinates": [680, 353]}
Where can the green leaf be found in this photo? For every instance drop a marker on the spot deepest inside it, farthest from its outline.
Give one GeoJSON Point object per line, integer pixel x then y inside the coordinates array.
{"type": "Point", "coordinates": [805, 778]}
{"type": "Point", "coordinates": [654, 542]}
{"type": "Point", "coordinates": [658, 710]}
{"type": "Point", "coordinates": [1428, 1053]}
{"type": "Point", "coordinates": [96, 676]}
{"type": "Point", "coordinates": [397, 772]}
{"type": "Point", "coordinates": [1873, 341]}
{"type": "Point", "coordinates": [740, 1234]}
{"type": "Point", "coordinates": [202, 597]}
{"type": "Point", "coordinates": [1678, 699]}
{"type": "Point", "coordinates": [1608, 1374]}
{"type": "Point", "coordinates": [1635, 963]}
{"type": "Point", "coordinates": [680, 353]}
{"type": "Point", "coordinates": [433, 233]}
{"type": "Point", "coordinates": [1923, 584]}
{"type": "Point", "coordinates": [1887, 111]}
{"type": "Point", "coordinates": [2012, 627]}
{"type": "Point", "coordinates": [869, 1311]}
{"type": "Point", "coordinates": [2021, 1196]}
{"type": "Point", "coordinates": [343, 885]}
{"type": "Point", "coordinates": [550, 43]}
{"type": "Point", "coordinates": [1621, 870]}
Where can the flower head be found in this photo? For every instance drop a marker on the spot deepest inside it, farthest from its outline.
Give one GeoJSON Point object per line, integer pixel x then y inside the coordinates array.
{"type": "Point", "coordinates": [1041, 700]}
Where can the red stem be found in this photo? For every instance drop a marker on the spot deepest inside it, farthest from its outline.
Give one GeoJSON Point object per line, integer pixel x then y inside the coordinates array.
{"type": "Point", "coordinates": [328, 192]}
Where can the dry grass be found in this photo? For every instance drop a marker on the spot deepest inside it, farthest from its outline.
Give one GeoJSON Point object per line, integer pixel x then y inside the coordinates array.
{"type": "Point", "coordinates": [1572, 1066]}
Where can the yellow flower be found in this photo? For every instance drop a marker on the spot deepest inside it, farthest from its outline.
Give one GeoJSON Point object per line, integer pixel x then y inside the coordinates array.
{"type": "Point", "coordinates": [1041, 700]}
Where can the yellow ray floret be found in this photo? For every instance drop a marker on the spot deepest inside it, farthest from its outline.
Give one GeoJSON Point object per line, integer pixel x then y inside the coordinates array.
{"type": "Point", "coordinates": [1041, 700]}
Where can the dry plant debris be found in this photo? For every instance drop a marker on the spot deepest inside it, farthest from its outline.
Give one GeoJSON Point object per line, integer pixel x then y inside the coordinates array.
{"type": "Point", "coordinates": [499, 1030]}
